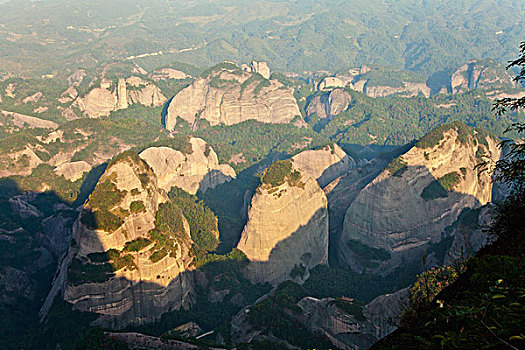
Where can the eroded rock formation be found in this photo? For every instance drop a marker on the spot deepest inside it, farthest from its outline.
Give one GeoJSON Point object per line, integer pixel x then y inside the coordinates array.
{"type": "Point", "coordinates": [480, 74]}
{"type": "Point", "coordinates": [328, 105]}
{"type": "Point", "coordinates": [287, 229]}
{"type": "Point", "coordinates": [409, 205]}
{"type": "Point", "coordinates": [120, 266]}
{"type": "Point", "coordinates": [227, 95]}
{"type": "Point", "coordinates": [198, 170]}
{"type": "Point", "coordinates": [324, 164]}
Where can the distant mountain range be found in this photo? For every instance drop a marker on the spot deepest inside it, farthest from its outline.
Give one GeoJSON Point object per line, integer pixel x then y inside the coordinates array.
{"type": "Point", "coordinates": [430, 37]}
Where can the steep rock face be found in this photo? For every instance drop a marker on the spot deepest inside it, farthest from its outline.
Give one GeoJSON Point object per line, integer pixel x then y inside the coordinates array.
{"type": "Point", "coordinates": [199, 170]}
{"type": "Point", "coordinates": [407, 90]}
{"type": "Point", "coordinates": [329, 83]}
{"type": "Point", "coordinates": [287, 230]}
{"type": "Point", "coordinates": [72, 171]}
{"type": "Point", "coordinates": [103, 274]}
{"type": "Point", "coordinates": [330, 317]}
{"type": "Point", "coordinates": [109, 97]}
{"type": "Point", "coordinates": [260, 68]}
{"type": "Point", "coordinates": [329, 105]}
{"type": "Point", "coordinates": [324, 164]}
{"type": "Point", "coordinates": [225, 94]}
{"type": "Point", "coordinates": [416, 197]}
{"type": "Point", "coordinates": [480, 74]}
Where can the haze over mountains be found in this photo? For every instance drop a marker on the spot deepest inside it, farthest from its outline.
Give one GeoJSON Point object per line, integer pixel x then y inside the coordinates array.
{"type": "Point", "coordinates": [269, 174]}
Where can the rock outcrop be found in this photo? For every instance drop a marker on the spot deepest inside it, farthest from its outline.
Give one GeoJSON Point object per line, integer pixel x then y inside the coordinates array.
{"type": "Point", "coordinates": [287, 229]}
{"type": "Point", "coordinates": [328, 105]}
{"type": "Point", "coordinates": [407, 89]}
{"type": "Point", "coordinates": [347, 324]}
{"type": "Point", "coordinates": [419, 194]}
{"type": "Point", "coordinates": [227, 95]}
{"type": "Point", "coordinates": [330, 83]}
{"type": "Point", "coordinates": [72, 171]}
{"type": "Point", "coordinates": [324, 164]}
{"type": "Point", "coordinates": [198, 170]}
{"type": "Point", "coordinates": [109, 97]}
{"type": "Point", "coordinates": [260, 68]}
{"type": "Point", "coordinates": [480, 74]}
{"type": "Point", "coordinates": [120, 266]}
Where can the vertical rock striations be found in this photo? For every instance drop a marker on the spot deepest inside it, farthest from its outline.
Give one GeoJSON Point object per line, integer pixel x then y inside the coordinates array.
{"type": "Point", "coordinates": [191, 171]}
{"type": "Point", "coordinates": [225, 94]}
{"type": "Point", "coordinates": [129, 259]}
{"type": "Point", "coordinates": [287, 228]}
{"type": "Point", "coordinates": [419, 194]}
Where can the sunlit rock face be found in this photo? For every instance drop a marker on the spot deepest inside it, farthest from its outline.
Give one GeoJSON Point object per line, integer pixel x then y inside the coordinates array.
{"type": "Point", "coordinates": [408, 207]}
{"type": "Point", "coordinates": [198, 170]}
{"type": "Point", "coordinates": [287, 231]}
{"type": "Point", "coordinates": [324, 164]}
{"type": "Point", "coordinates": [112, 96]}
{"type": "Point", "coordinates": [143, 283]}
{"type": "Point", "coordinates": [480, 74]}
{"type": "Point", "coordinates": [225, 94]}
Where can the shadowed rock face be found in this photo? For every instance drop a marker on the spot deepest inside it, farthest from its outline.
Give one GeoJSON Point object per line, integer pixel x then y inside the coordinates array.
{"type": "Point", "coordinates": [403, 210]}
{"type": "Point", "coordinates": [329, 105]}
{"type": "Point", "coordinates": [136, 293]}
{"type": "Point", "coordinates": [480, 74]}
{"type": "Point", "coordinates": [230, 96]}
{"type": "Point", "coordinates": [287, 227]}
{"type": "Point", "coordinates": [199, 170]}
{"type": "Point", "coordinates": [357, 330]}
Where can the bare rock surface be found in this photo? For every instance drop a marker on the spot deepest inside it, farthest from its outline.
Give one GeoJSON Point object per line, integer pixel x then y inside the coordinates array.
{"type": "Point", "coordinates": [199, 170]}
{"type": "Point", "coordinates": [329, 105]}
{"type": "Point", "coordinates": [142, 289]}
{"type": "Point", "coordinates": [324, 164]}
{"type": "Point", "coordinates": [405, 208]}
{"type": "Point", "coordinates": [480, 74]}
{"type": "Point", "coordinates": [72, 171]}
{"type": "Point", "coordinates": [227, 95]}
{"type": "Point", "coordinates": [287, 228]}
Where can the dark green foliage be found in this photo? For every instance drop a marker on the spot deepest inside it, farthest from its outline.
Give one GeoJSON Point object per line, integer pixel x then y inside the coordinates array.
{"type": "Point", "coordinates": [136, 245]}
{"type": "Point", "coordinates": [448, 181]}
{"type": "Point", "coordinates": [276, 313]}
{"type": "Point", "coordinates": [367, 256]}
{"type": "Point", "coordinates": [137, 207]}
{"type": "Point", "coordinates": [202, 221]}
{"type": "Point", "coordinates": [79, 272]}
{"type": "Point", "coordinates": [277, 173]}
{"type": "Point", "coordinates": [95, 339]}
{"type": "Point", "coordinates": [101, 220]}
{"type": "Point", "coordinates": [101, 267]}
{"type": "Point", "coordinates": [221, 66]}
{"type": "Point", "coordinates": [396, 166]}
{"type": "Point", "coordinates": [352, 308]}
{"type": "Point", "coordinates": [298, 271]}
{"type": "Point", "coordinates": [434, 190]}
{"type": "Point", "coordinates": [253, 141]}
{"type": "Point", "coordinates": [105, 196]}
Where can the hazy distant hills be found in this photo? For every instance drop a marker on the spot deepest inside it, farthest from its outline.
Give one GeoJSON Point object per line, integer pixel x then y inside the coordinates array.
{"type": "Point", "coordinates": [426, 37]}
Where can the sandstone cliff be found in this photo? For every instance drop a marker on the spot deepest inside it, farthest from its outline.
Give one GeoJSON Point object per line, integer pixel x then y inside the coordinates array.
{"type": "Point", "coordinates": [226, 94]}
{"type": "Point", "coordinates": [328, 105]}
{"type": "Point", "coordinates": [407, 89]}
{"type": "Point", "coordinates": [409, 205]}
{"type": "Point", "coordinates": [121, 266]}
{"type": "Point", "coordinates": [480, 74]}
{"type": "Point", "coordinates": [287, 229]}
{"type": "Point", "coordinates": [345, 323]}
{"type": "Point", "coordinates": [324, 164]}
{"type": "Point", "coordinates": [111, 96]}
{"type": "Point", "coordinates": [198, 170]}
